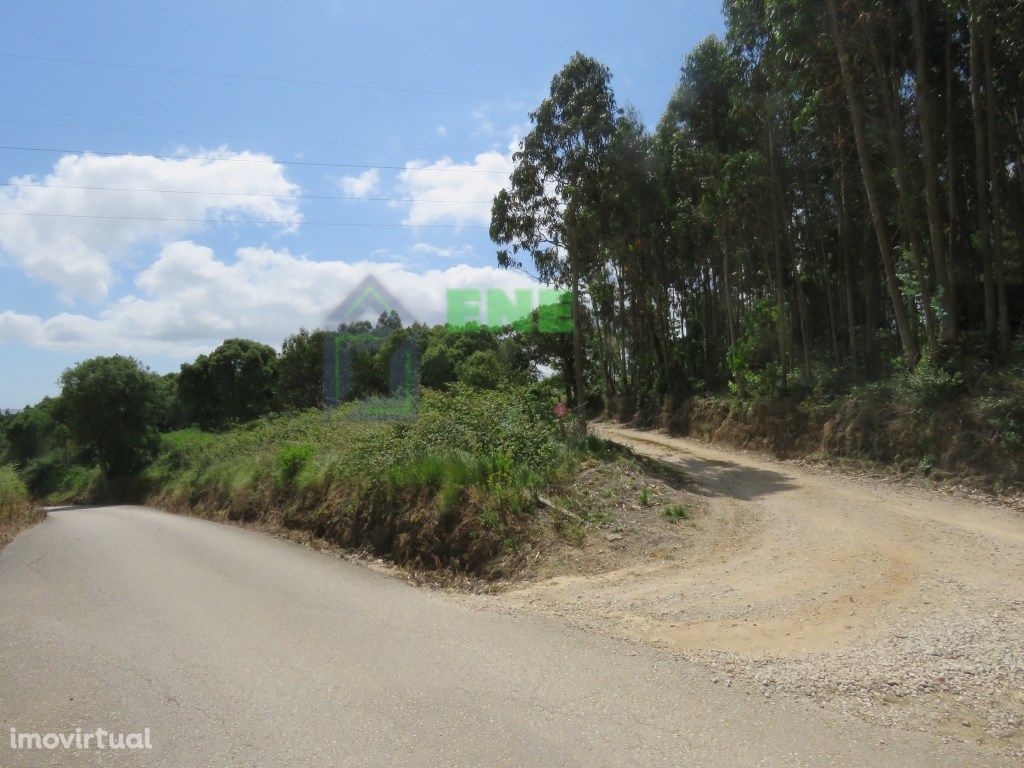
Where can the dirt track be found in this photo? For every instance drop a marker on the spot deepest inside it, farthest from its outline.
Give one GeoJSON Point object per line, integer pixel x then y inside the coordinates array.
{"type": "Point", "coordinates": [902, 605]}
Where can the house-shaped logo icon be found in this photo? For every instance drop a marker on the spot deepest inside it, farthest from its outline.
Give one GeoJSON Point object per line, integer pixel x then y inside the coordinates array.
{"type": "Point", "coordinates": [368, 301]}
{"type": "Point", "coordinates": [353, 337]}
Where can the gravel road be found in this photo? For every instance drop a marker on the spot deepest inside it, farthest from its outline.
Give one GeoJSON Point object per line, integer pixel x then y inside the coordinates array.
{"type": "Point", "coordinates": [902, 606]}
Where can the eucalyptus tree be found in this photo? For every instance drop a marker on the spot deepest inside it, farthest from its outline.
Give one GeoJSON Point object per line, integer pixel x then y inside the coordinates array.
{"type": "Point", "coordinates": [552, 210]}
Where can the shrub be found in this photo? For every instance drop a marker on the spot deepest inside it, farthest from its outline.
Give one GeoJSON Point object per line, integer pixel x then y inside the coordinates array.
{"type": "Point", "coordinates": [452, 487]}
{"type": "Point", "coordinates": [677, 512]}
{"type": "Point", "coordinates": [930, 383]}
{"type": "Point", "coordinates": [13, 493]}
{"type": "Point", "coordinates": [291, 460]}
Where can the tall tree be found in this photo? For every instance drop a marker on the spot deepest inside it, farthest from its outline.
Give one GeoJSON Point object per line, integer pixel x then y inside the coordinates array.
{"type": "Point", "coordinates": [552, 209]}
{"type": "Point", "coordinates": [926, 111]}
{"type": "Point", "coordinates": [878, 220]}
{"type": "Point", "coordinates": [111, 406]}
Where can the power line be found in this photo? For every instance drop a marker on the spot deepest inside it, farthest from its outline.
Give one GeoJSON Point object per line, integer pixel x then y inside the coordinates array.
{"type": "Point", "coordinates": [274, 78]}
{"type": "Point", "coordinates": [248, 160]}
{"type": "Point", "coordinates": [236, 136]}
{"type": "Point", "coordinates": [33, 185]}
{"type": "Point", "coordinates": [264, 78]}
{"type": "Point", "coordinates": [243, 221]}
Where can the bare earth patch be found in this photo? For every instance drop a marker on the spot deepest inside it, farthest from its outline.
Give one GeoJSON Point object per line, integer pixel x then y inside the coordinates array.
{"type": "Point", "coordinates": [620, 513]}
{"type": "Point", "coordinates": [16, 520]}
{"type": "Point", "coordinates": [904, 607]}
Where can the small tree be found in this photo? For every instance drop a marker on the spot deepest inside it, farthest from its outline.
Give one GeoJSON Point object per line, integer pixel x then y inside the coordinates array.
{"type": "Point", "coordinates": [300, 371]}
{"type": "Point", "coordinates": [110, 405]}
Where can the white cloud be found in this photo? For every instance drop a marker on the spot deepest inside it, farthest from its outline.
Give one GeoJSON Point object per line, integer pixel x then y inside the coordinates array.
{"type": "Point", "coordinates": [433, 185]}
{"type": "Point", "coordinates": [363, 185]}
{"type": "Point", "coordinates": [441, 130]}
{"type": "Point", "coordinates": [189, 300]}
{"type": "Point", "coordinates": [454, 252]}
{"type": "Point", "coordinates": [79, 250]}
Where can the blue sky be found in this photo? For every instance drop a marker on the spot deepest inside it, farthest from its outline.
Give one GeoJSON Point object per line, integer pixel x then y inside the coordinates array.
{"type": "Point", "coordinates": [441, 90]}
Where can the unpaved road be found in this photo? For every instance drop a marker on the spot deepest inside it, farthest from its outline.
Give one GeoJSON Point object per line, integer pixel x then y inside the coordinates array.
{"type": "Point", "coordinates": [902, 606]}
{"type": "Point", "coordinates": [238, 649]}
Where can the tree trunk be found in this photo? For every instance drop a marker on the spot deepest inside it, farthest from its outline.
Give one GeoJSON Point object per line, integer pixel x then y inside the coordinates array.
{"type": "Point", "coordinates": [780, 285]}
{"type": "Point", "coordinates": [572, 252]}
{"type": "Point", "coordinates": [729, 318]}
{"type": "Point", "coordinates": [930, 161]}
{"type": "Point", "coordinates": [954, 240]}
{"type": "Point", "coordinates": [907, 206]}
{"type": "Point", "coordinates": [801, 312]}
{"type": "Point", "coordinates": [844, 254]}
{"type": "Point", "coordinates": [906, 331]}
{"type": "Point", "coordinates": [981, 175]}
{"type": "Point", "coordinates": [872, 304]}
{"type": "Point", "coordinates": [993, 173]}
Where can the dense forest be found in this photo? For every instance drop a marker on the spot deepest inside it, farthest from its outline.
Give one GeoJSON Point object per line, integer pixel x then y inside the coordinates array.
{"type": "Point", "coordinates": [833, 194]}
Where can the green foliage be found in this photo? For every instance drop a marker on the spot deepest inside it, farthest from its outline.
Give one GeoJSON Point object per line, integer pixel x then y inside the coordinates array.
{"type": "Point", "coordinates": [77, 484]}
{"type": "Point", "coordinates": [110, 405]}
{"type": "Point", "coordinates": [677, 512]}
{"type": "Point", "coordinates": [482, 370]}
{"type": "Point", "coordinates": [470, 455]}
{"type": "Point", "coordinates": [560, 174]}
{"type": "Point", "coordinates": [929, 383]}
{"type": "Point", "coordinates": [291, 460]}
{"type": "Point", "coordinates": [13, 493]}
{"type": "Point", "coordinates": [32, 432]}
{"type": "Point", "coordinates": [754, 372]}
{"type": "Point", "coordinates": [437, 369]}
{"type": "Point", "coordinates": [44, 474]}
{"type": "Point", "coordinates": [300, 372]}
{"type": "Point", "coordinates": [233, 384]}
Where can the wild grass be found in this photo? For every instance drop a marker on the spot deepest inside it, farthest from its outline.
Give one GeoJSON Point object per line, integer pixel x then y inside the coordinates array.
{"type": "Point", "coordinates": [17, 511]}
{"type": "Point", "coordinates": [13, 495]}
{"type": "Point", "coordinates": [677, 512]}
{"type": "Point", "coordinates": [453, 487]}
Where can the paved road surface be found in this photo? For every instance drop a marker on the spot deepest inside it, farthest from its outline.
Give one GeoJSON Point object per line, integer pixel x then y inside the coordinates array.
{"type": "Point", "coordinates": [238, 649]}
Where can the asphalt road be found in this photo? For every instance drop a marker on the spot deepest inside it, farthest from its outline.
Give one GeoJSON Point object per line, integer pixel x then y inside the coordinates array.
{"type": "Point", "coordinates": [238, 649]}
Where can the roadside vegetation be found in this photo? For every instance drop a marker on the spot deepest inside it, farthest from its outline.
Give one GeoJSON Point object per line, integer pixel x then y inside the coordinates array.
{"type": "Point", "coordinates": [454, 488]}
{"type": "Point", "coordinates": [16, 509]}
{"type": "Point", "coordinates": [957, 423]}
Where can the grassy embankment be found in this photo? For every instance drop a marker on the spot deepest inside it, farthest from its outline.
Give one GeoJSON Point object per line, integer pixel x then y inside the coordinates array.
{"type": "Point", "coordinates": [965, 426]}
{"type": "Point", "coordinates": [455, 488]}
{"type": "Point", "coordinates": [16, 509]}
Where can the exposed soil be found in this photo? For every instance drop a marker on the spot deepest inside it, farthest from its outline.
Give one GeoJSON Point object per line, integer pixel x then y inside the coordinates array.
{"type": "Point", "coordinates": [13, 522]}
{"type": "Point", "coordinates": [620, 513]}
{"type": "Point", "coordinates": [902, 605]}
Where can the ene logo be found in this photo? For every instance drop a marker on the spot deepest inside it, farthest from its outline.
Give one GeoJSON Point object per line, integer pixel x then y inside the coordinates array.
{"type": "Point", "coordinates": [495, 308]}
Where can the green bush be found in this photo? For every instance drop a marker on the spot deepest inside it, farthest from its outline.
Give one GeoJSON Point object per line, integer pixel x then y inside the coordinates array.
{"type": "Point", "coordinates": [13, 493]}
{"type": "Point", "coordinates": [291, 460]}
{"type": "Point", "coordinates": [456, 482]}
{"type": "Point", "coordinates": [677, 512]}
{"type": "Point", "coordinates": [930, 383]}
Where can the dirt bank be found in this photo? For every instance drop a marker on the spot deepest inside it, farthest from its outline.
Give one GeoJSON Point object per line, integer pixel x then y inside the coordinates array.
{"type": "Point", "coordinates": [976, 440]}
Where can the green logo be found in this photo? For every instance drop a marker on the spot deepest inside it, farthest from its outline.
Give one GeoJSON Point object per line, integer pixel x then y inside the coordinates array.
{"type": "Point", "coordinates": [495, 308]}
